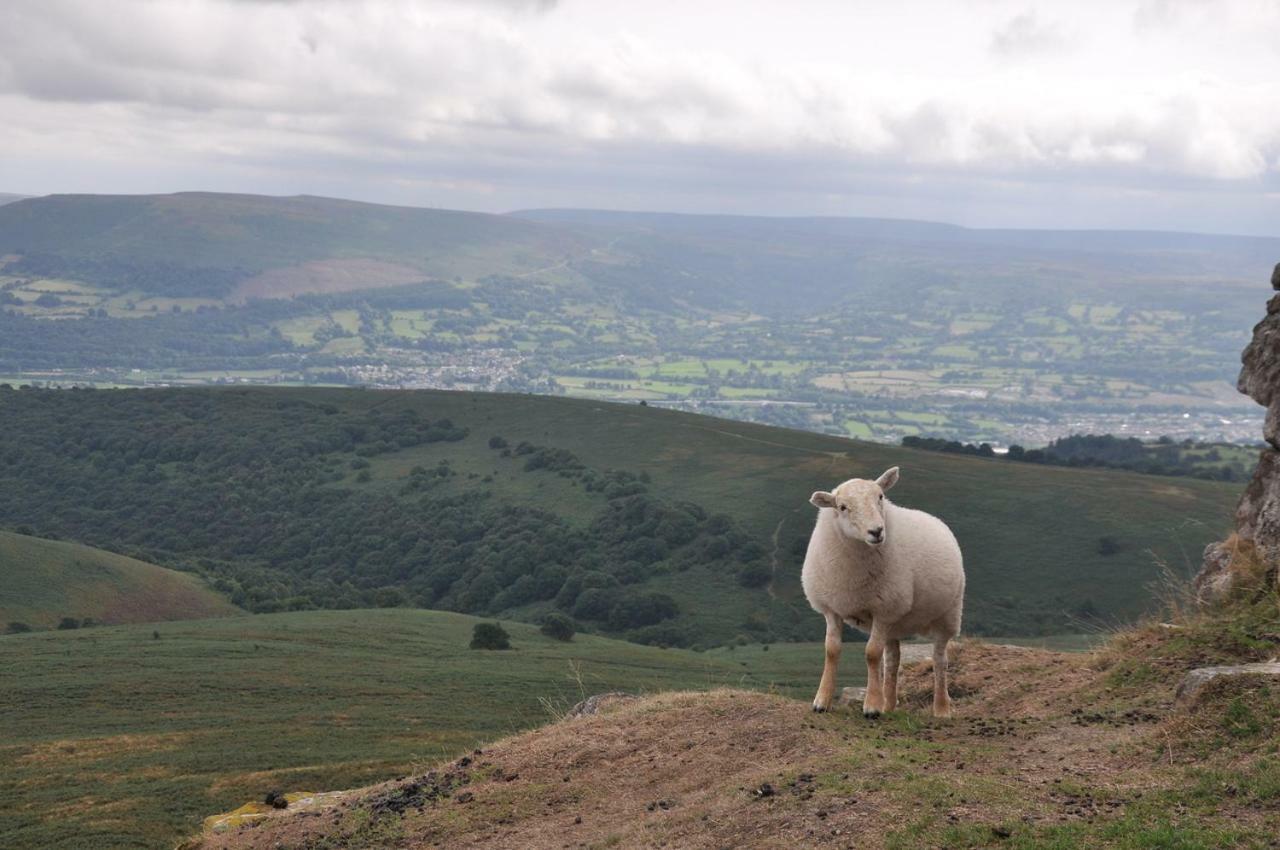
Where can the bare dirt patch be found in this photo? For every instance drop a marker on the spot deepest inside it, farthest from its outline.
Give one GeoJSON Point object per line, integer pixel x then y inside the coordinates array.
{"type": "Point", "coordinates": [71, 751]}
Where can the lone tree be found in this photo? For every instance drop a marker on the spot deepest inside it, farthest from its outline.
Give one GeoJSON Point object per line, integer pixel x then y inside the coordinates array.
{"type": "Point", "coordinates": [559, 626]}
{"type": "Point", "coordinates": [490, 636]}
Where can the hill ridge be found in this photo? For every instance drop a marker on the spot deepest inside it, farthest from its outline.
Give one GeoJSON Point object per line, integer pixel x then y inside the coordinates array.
{"type": "Point", "coordinates": [43, 581]}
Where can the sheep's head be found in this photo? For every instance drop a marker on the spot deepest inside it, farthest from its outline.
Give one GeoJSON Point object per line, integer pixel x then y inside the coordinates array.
{"type": "Point", "coordinates": [859, 506]}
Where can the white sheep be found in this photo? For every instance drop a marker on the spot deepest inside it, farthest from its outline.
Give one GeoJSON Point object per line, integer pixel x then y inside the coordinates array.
{"type": "Point", "coordinates": [890, 571]}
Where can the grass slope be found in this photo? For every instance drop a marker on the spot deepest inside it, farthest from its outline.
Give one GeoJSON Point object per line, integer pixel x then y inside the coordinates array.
{"type": "Point", "coordinates": [115, 739]}
{"type": "Point", "coordinates": [1033, 536]}
{"type": "Point", "coordinates": [146, 241]}
{"type": "Point", "coordinates": [42, 581]}
{"type": "Point", "coordinates": [1030, 534]}
{"type": "Point", "coordinates": [1047, 751]}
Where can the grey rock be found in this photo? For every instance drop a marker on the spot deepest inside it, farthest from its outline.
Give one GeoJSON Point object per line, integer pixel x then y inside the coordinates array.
{"type": "Point", "coordinates": [1257, 518]}
{"type": "Point", "coordinates": [1194, 683]}
{"type": "Point", "coordinates": [594, 704]}
{"type": "Point", "coordinates": [1260, 361]}
{"type": "Point", "coordinates": [1213, 582]}
{"type": "Point", "coordinates": [1258, 512]}
{"type": "Point", "coordinates": [1271, 425]}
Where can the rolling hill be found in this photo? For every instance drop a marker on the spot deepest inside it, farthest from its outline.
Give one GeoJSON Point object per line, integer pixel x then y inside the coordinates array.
{"type": "Point", "coordinates": [113, 738]}
{"type": "Point", "coordinates": [43, 581]}
{"type": "Point", "coordinates": [237, 247]}
{"type": "Point", "coordinates": [656, 525]}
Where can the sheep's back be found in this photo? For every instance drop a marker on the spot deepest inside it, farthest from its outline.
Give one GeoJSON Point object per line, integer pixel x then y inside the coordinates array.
{"type": "Point", "coordinates": [924, 545]}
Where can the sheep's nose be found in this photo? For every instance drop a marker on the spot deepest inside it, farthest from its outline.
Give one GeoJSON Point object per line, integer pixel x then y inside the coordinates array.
{"type": "Point", "coordinates": [876, 533]}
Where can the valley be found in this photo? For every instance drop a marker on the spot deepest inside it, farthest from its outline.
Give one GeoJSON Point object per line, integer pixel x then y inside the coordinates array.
{"type": "Point", "coordinates": [887, 329]}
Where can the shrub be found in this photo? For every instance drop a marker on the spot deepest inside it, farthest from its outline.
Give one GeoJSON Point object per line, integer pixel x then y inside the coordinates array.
{"type": "Point", "coordinates": [497, 443]}
{"type": "Point", "coordinates": [69, 623]}
{"type": "Point", "coordinates": [17, 628]}
{"type": "Point", "coordinates": [559, 627]}
{"type": "Point", "coordinates": [490, 636]}
{"type": "Point", "coordinates": [755, 574]}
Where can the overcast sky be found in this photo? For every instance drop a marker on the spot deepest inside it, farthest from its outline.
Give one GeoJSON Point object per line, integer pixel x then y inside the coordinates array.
{"type": "Point", "coordinates": [1151, 113]}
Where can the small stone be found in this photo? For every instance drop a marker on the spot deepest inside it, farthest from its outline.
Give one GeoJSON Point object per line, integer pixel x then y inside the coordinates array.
{"type": "Point", "coordinates": [852, 696]}
{"type": "Point", "coordinates": [1197, 680]}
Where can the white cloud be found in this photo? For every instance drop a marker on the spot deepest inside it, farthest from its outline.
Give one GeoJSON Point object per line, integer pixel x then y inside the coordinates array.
{"type": "Point", "coordinates": [604, 102]}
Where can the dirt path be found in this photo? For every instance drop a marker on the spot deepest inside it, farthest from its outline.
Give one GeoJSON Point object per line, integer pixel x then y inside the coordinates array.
{"type": "Point", "coordinates": [773, 558]}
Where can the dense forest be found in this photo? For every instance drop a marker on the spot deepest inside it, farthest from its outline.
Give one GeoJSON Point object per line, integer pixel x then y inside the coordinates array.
{"type": "Point", "coordinates": [254, 491]}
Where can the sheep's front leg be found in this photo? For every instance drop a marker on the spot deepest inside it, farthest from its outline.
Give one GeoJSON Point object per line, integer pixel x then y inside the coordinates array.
{"type": "Point", "coordinates": [892, 660]}
{"type": "Point", "coordinates": [941, 699]}
{"type": "Point", "coordinates": [827, 687]}
{"type": "Point", "coordinates": [873, 704]}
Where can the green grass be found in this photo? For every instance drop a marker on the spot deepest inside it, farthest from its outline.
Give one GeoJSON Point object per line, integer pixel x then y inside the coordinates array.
{"type": "Point", "coordinates": [42, 581]}
{"type": "Point", "coordinates": [1008, 517]}
{"type": "Point", "coordinates": [1030, 533]}
{"type": "Point", "coordinates": [113, 738]}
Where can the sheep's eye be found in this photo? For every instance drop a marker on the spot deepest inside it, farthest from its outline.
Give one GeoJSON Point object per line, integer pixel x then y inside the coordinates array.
{"type": "Point", "coordinates": [882, 497]}
{"type": "Point", "coordinates": [843, 508]}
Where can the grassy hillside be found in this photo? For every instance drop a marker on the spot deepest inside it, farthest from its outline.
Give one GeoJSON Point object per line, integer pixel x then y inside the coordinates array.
{"type": "Point", "coordinates": [43, 581]}
{"type": "Point", "coordinates": [1046, 751]}
{"type": "Point", "coordinates": [205, 244]}
{"type": "Point", "coordinates": [652, 524]}
{"type": "Point", "coordinates": [113, 738]}
{"type": "Point", "coordinates": [1031, 761]}
{"type": "Point", "coordinates": [826, 261]}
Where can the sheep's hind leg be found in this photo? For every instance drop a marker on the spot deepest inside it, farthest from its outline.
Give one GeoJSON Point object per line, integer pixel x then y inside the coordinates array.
{"type": "Point", "coordinates": [892, 660]}
{"type": "Point", "coordinates": [873, 704]}
{"type": "Point", "coordinates": [827, 687]}
{"type": "Point", "coordinates": [941, 699]}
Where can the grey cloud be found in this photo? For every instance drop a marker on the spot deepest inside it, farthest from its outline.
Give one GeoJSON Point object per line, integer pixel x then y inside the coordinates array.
{"type": "Point", "coordinates": [1026, 34]}
{"type": "Point", "coordinates": [460, 104]}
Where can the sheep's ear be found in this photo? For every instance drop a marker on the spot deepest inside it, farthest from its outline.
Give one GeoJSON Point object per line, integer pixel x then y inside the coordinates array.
{"type": "Point", "coordinates": [888, 479]}
{"type": "Point", "coordinates": [823, 499]}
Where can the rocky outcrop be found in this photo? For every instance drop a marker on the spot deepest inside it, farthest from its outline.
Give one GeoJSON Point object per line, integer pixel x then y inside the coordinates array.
{"type": "Point", "coordinates": [1194, 683]}
{"type": "Point", "coordinates": [594, 704]}
{"type": "Point", "coordinates": [1257, 519]}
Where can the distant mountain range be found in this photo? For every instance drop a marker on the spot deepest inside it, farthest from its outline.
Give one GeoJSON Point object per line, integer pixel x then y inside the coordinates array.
{"type": "Point", "coordinates": [241, 246]}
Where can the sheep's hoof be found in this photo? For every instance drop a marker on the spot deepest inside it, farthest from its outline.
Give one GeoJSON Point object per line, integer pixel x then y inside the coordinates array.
{"type": "Point", "coordinates": [870, 714]}
{"type": "Point", "coordinates": [818, 709]}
